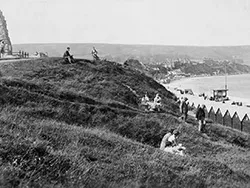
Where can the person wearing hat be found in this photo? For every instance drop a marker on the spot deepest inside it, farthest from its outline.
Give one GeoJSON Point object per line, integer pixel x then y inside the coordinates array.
{"type": "Point", "coordinates": [67, 56]}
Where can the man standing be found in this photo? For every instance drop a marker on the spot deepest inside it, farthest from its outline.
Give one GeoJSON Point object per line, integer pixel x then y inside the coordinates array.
{"type": "Point", "coordinates": [200, 116]}
{"type": "Point", "coordinates": [184, 109]}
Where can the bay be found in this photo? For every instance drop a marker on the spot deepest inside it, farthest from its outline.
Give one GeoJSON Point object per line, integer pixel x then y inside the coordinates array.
{"type": "Point", "coordinates": [238, 85]}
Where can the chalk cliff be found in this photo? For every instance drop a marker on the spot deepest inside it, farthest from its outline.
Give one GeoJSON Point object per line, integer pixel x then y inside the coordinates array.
{"type": "Point", "coordinates": [5, 43]}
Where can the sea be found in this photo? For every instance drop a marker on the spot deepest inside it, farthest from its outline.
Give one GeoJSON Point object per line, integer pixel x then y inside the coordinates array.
{"type": "Point", "coordinates": [238, 85]}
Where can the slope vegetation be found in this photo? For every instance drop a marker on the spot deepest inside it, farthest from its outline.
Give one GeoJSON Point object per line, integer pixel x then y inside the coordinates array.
{"type": "Point", "coordinates": [80, 125]}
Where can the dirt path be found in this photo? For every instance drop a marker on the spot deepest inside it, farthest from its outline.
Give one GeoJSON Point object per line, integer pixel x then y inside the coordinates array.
{"type": "Point", "coordinates": [12, 60]}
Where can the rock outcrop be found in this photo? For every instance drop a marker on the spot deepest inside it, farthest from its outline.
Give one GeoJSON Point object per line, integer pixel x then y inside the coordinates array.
{"type": "Point", "coordinates": [5, 44]}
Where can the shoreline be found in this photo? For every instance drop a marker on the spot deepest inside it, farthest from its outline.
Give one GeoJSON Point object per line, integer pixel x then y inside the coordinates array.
{"type": "Point", "coordinates": [180, 84]}
{"type": "Point", "coordinates": [189, 83]}
{"type": "Point", "coordinates": [207, 76]}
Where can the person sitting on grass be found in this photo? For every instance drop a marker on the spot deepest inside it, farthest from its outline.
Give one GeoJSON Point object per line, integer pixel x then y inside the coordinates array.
{"type": "Point", "coordinates": [145, 102]}
{"type": "Point", "coordinates": [172, 138]}
{"type": "Point", "coordinates": [165, 141]}
{"type": "Point", "coordinates": [94, 53]}
{"type": "Point", "coordinates": [157, 101]}
{"type": "Point", "coordinates": [170, 145]}
{"type": "Point", "coordinates": [200, 116]}
{"type": "Point", "coordinates": [67, 57]}
{"type": "Point", "coordinates": [145, 99]}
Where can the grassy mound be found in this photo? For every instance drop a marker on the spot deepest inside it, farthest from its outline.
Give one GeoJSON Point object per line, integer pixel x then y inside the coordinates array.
{"type": "Point", "coordinates": [80, 125]}
{"type": "Point", "coordinates": [46, 153]}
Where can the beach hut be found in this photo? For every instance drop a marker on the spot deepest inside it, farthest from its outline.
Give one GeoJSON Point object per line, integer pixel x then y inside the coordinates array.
{"type": "Point", "coordinates": [220, 94]}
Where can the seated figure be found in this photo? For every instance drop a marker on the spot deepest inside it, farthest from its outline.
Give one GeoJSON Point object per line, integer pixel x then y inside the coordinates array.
{"type": "Point", "coordinates": [168, 143]}
{"type": "Point", "coordinates": [67, 57]}
{"type": "Point", "coordinates": [157, 102]}
{"type": "Point", "coordinates": [95, 54]}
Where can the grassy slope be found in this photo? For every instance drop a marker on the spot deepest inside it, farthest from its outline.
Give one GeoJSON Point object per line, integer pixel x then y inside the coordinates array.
{"type": "Point", "coordinates": [80, 125]}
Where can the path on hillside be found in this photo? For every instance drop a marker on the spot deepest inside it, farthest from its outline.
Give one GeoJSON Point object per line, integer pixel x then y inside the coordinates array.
{"type": "Point", "coordinates": [12, 60]}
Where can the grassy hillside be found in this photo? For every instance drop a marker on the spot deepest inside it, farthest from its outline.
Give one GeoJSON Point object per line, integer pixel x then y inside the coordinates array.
{"type": "Point", "coordinates": [144, 53]}
{"type": "Point", "coordinates": [80, 125]}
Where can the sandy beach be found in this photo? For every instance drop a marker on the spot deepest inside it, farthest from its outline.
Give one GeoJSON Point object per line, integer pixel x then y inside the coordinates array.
{"type": "Point", "coordinates": [206, 84]}
{"type": "Point", "coordinates": [188, 83]}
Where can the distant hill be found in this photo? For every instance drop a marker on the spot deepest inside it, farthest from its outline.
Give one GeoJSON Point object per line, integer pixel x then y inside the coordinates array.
{"type": "Point", "coordinates": [144, 53]}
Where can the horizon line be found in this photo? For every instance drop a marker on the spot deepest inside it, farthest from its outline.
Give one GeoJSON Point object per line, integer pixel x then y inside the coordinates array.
{"type": "Point", "coordinates": [132, 44]}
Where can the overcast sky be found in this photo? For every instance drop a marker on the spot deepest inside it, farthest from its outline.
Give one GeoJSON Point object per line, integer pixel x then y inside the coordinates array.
{"type": "Point", "coordinates": [168, 22]}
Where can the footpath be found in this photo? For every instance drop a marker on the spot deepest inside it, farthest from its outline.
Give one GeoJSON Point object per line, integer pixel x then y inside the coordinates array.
{"type": "Point", "coordinates": [12, 60]}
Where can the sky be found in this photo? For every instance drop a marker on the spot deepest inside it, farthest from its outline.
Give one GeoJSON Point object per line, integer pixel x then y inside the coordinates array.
{"type": "Point", "coordinates": [164, 22]}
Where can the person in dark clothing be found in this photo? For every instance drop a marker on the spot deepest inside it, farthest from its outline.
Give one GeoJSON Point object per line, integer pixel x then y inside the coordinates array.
{"type": "Point", "coordinates": [69, 58]}
{"type": "Point", "coordinates": [184, 109]}
{"type": "Point", "coordinates": [200, 116]}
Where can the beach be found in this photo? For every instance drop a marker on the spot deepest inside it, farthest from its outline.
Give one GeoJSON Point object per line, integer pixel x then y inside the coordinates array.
{"type": "Point", "coordinates": [238, 92]}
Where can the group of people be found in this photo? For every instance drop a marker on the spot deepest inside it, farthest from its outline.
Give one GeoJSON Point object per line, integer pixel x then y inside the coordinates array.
{"type": "Point", "coordinates": [168, 142]}
{"type": "Point", "coordinates": [69, 58]}
{"type": "Point", "coordinates": [23, 54]}
{"type": "Point", "coordinates": [152, 106]}
{"type": "Point", "coordinates": [200, 113]}
{"type": "Point", "coordinates": [183, 108]}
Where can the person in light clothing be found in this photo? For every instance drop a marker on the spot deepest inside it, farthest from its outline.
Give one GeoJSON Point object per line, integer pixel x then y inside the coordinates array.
{"type": "Point", "coordinates": [169, 144]}
{"type": "Point", "coordinates": [157, 102]}
{"type": "Point", "coordinates": [94, 53]}
{"type": "Point", "coordinates": [172, 138]}
{"type": "Point", "coordinates": [165, 141]}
